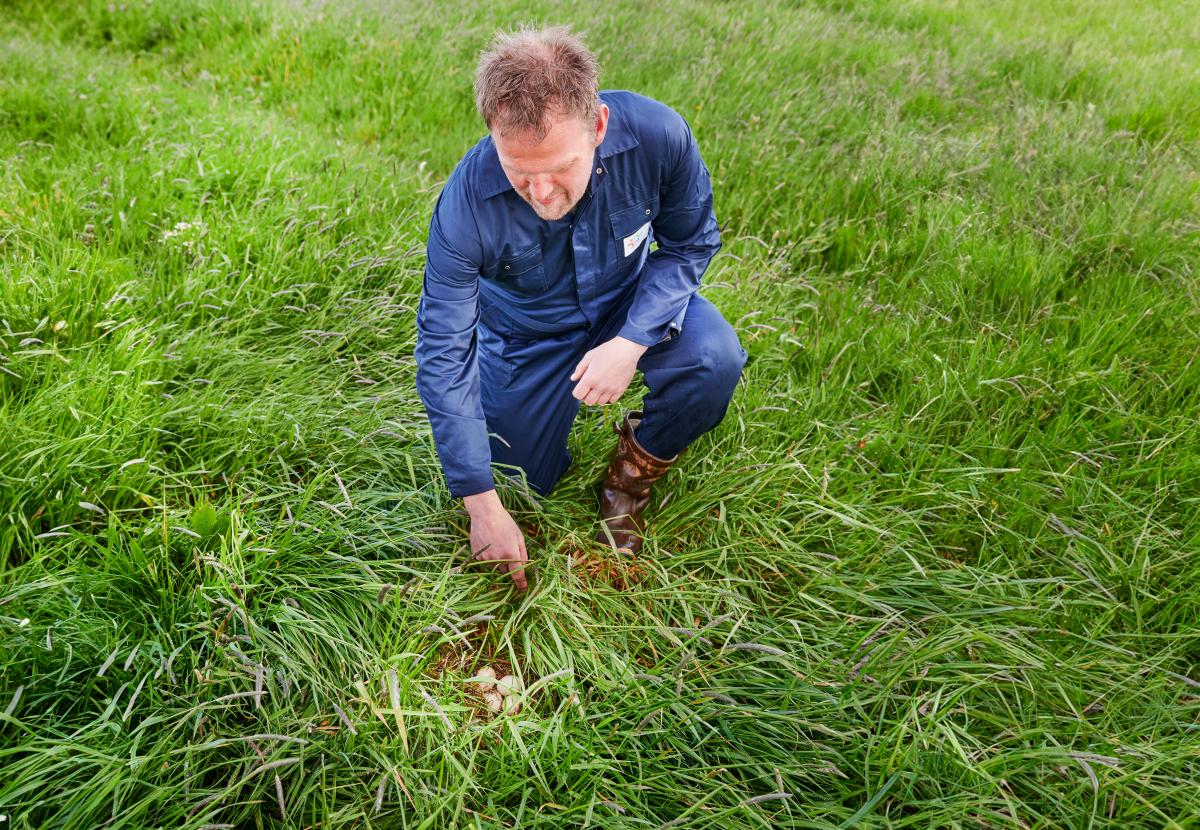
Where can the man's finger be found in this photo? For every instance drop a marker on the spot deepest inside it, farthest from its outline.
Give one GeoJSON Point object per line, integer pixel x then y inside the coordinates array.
{"type": "Point", "coordinates": [517, 571]}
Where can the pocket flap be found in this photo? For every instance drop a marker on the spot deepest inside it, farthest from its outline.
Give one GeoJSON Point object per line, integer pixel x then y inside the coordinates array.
{"type": "Point", "coordinates": [518, 264]}
{"type": "Point", "coordinates": [628, 221]}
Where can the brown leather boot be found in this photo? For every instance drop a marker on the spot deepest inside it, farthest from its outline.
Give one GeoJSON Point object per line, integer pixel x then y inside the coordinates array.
{"type": "Point", "coordinates": [625, 490]}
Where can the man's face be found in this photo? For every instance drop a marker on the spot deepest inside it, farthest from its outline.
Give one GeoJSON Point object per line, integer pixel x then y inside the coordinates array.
{"type": "Point", "coordinates": [552, 174]}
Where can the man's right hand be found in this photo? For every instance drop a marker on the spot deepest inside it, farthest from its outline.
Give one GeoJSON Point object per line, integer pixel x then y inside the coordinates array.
{"type": "Point", "coordinates": [495, 536]}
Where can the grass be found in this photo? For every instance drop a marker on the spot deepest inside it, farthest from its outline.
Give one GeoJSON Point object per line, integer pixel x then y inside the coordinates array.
{"type": "Point", "coordinates": [937, 568]}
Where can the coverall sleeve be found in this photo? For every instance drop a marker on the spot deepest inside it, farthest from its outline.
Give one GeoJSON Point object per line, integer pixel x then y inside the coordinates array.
{"type": "Point", "coordinates": [688, 239]}
{"type": "Point", "coordinates": [446, 351]}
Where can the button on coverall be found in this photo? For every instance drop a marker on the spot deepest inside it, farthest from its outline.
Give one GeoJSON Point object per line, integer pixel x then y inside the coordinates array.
{"type": "Point", "coordinates": [511, 302]}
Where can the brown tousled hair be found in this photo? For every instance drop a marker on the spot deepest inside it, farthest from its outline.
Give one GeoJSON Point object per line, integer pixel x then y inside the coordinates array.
{"type": "Point", "coordinates": [524, 78]}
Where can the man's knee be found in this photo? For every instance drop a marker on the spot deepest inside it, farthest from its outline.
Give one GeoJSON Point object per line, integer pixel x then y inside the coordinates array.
{"type": "Point", "coordinates": [721, 359]}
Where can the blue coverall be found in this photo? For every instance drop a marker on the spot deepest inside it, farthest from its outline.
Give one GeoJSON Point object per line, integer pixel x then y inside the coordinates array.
{"type": "Point", "coordinates": [511, 302]}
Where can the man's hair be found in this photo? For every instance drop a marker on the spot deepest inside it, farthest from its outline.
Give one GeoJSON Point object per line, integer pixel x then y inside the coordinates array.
{"type": "Point", "coordinates": [525, 78]}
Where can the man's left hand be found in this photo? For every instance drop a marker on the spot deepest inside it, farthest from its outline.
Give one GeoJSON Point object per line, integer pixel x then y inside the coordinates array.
{"type": "Point", "coordinates": [605, 372]}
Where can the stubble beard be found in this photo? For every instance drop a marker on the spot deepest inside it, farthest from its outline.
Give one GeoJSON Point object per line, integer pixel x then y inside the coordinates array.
{"type": "Point", "coordinates": [555, 210]}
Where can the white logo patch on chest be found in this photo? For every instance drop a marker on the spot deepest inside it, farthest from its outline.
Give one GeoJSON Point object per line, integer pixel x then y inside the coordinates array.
{"type": "Point", "coordinates": [635, 239]}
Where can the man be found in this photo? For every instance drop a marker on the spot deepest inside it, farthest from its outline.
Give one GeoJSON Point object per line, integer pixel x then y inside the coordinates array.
{"type": "Point", "coordinates": [541, 291]}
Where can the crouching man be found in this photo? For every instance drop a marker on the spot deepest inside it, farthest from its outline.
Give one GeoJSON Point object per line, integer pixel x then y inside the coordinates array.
{"type": "Point", "coordinates": [541, 290]}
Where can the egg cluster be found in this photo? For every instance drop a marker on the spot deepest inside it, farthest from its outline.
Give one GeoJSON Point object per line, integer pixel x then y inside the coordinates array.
{"type": "Point", "coordinates": [500, 694]}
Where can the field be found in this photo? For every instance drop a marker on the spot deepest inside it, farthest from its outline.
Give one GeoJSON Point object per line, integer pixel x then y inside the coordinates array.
{"type": "Point", "coordinates": [939, 566]}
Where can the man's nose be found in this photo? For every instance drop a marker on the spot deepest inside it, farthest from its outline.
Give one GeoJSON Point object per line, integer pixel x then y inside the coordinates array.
{"type": "Point", "coordinates": [541, 189]}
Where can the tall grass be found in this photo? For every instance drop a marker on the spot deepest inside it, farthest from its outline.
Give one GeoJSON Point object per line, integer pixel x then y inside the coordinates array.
{"type": "Point", "coordinates": [937, 568]}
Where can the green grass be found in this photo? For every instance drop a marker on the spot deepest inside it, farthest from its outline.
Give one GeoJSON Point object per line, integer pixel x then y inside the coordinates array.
{"type": "Point", "coordinates": [937, 568]}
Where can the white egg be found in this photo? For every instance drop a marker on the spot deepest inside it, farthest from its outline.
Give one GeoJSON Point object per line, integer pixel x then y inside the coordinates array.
{"type": "Point", "coordinates": [512, 703]}
{"type": "Point", "coordinates": [493, 700]}
{"type": "Point", "coordinates": [487, 678]}
{"type": "Point", "coordinates": [508, 684]}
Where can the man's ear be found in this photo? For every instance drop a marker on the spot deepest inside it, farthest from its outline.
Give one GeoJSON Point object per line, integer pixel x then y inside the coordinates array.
{"type": "Point", "coordinates": [601, 123]}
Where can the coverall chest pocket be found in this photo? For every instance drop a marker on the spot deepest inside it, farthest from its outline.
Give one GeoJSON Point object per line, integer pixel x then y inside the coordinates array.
{"type": "Point", "coordinates": [631, 227]}
{"type": "Point", "coordinates": [522, 273]}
